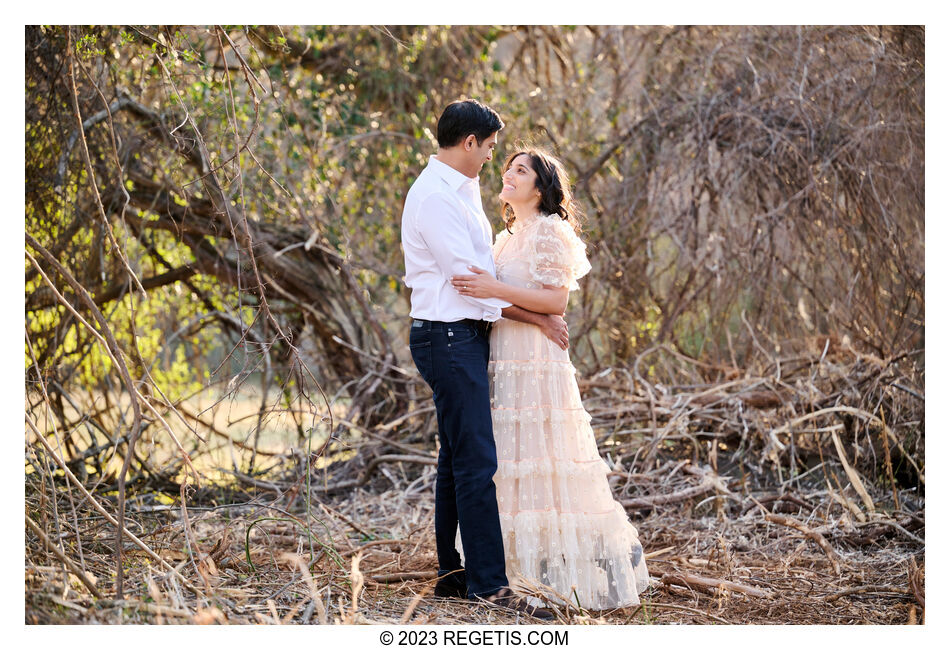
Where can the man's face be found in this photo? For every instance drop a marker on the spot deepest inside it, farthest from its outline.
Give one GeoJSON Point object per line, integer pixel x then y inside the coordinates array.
{"type": "Point", "coordinates": [481, 154]}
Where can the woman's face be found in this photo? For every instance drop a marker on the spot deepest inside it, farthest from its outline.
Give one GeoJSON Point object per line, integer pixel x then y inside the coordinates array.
{"type": "Point", "coordinates": [518, 183]}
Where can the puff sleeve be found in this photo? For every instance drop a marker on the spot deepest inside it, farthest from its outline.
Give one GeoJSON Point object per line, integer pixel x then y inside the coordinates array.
{"type": "Point", "coordinates": [560, 257]}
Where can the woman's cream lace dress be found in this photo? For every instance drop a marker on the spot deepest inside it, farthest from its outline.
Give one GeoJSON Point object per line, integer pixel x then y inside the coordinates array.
{"type": "Point", "coordinates": [561, 525]}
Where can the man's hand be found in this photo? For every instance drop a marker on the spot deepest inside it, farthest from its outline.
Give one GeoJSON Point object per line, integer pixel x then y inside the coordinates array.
{"type": "Point", "coordinates": [554, 327]}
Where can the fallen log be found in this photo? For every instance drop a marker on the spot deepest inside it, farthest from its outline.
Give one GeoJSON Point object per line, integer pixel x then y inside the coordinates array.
{"type": "Point", "coordinates": [758, 399]}
{"type": "Point", "coordinates": [673, 497]}
{"type": "Point", "coordinates": [710, 482]}
{"type": "Point", "coordinates": [877, 527]}
{"type": "Point", "coordinates": [689, 580]}
{"type": "Point", "coordinates": [874, 590]}
{"type": "Point", "coordinates": [388, 578]}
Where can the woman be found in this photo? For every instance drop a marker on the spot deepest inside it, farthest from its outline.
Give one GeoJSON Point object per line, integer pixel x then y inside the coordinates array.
{"type": "Point", "coordinates": [561, 525]}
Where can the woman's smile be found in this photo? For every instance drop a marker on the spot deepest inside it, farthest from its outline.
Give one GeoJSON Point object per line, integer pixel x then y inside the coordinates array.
{"type": "Point", "coordinates": [518, 181]}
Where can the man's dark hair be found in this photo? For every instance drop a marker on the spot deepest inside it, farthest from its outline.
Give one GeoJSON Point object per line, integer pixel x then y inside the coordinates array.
{"type": "Point", "coordinates": [464, 118]}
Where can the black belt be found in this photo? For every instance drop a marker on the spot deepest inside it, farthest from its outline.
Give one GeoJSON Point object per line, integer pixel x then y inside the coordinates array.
{"type": "Point", "coordinates": [483, 327]}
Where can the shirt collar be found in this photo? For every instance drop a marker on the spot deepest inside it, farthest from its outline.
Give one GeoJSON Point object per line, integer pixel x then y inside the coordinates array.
{"type": "Point", "coordinates": [453, 177]}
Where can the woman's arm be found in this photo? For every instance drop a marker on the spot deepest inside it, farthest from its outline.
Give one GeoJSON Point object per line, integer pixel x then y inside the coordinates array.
{"type": "Point", "coordinates": [547, 300]}
{"type": "Point", "coordinates": [552, 326]}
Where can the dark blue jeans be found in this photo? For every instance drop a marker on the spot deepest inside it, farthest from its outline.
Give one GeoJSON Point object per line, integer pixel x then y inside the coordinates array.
{"type": "Point", "coordinates": [453, 360]}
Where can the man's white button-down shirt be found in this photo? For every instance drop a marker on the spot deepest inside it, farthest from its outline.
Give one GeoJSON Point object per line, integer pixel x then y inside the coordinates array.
{"type": "Point", "coordinates": [444, 230]}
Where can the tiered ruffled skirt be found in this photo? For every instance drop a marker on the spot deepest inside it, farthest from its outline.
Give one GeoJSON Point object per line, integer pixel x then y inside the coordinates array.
{"type": "Point", "coordinates": [562, 527]}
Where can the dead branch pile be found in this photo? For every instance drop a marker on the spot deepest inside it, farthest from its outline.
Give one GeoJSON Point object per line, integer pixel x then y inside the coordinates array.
{"type": "Point", "coordinates": [799, 553]}
{"type": "Point", "coordinates": [752, 508]}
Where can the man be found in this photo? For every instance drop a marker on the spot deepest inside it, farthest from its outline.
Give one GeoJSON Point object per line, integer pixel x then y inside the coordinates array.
{"type": "Point", "coordinates": [444, 231]}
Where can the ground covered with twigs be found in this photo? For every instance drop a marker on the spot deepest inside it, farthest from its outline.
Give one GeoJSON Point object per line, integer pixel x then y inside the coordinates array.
{"type": "Point", "coordinates": [791, 557]}
{"type": "Point", "coordinates": [791, 495]}
{"type": "Point", "coordinates": [726, 555]}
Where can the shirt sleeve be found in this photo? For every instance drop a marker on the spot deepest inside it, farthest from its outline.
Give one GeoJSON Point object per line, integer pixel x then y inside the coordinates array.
{"type": "Point", "coordinates": [560, 257]}
{"type": "Point", "coordinates": [442, 226]}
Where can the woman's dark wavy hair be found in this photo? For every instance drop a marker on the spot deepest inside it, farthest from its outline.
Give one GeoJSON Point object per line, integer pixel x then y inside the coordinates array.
{"type": "Point", "coordinates": [552, 182]}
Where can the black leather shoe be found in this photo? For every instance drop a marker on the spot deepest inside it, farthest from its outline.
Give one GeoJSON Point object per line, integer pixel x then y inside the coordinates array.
{"type": "Point", "coordinates": [506, 599]}
{"type": "Point", "coordinates": [451, 585]}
